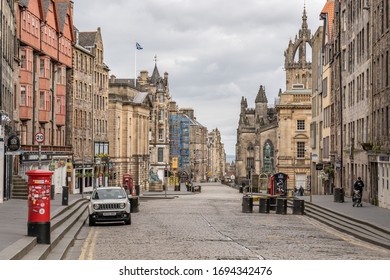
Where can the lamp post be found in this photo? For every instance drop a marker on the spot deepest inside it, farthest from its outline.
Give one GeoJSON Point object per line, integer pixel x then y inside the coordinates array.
{"type": "Point", "coordinates": [4, 122]}
{"type": "Point", "coordinates": [1, 158]}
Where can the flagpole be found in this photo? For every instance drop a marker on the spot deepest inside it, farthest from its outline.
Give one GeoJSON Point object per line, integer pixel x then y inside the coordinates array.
{"type": "Point", "coordinates": [135, 67]}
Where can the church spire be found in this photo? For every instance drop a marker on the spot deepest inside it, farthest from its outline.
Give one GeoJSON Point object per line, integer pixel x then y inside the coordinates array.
{"type": "Point", "coordinates": [261, 97]}
{"type": "Point", "coordinates": [156, 74]}
{"type": "Point", "coordinates": [304, 19]}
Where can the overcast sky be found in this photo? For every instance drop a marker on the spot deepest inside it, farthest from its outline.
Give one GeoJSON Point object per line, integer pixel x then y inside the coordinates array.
{"type": "Point", "coordinates": [215, 51]}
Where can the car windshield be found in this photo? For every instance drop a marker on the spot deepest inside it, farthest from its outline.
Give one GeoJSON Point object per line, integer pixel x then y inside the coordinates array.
{"type": "Point", "coordinates": [113, 193]}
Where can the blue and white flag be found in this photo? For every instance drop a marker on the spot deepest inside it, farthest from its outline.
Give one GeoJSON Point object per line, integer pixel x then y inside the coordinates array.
{"type": "Point", "coordinates": [138, 46]}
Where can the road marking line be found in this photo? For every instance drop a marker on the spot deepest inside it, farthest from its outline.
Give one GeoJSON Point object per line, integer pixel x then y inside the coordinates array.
{"type": "Point", "coordinates": [84, 249]}
{"type": "Point", "coordinates": [92, 246]}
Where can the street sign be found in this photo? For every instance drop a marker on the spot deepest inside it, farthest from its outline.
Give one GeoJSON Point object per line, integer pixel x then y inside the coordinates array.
{"type": "Point", "coordinates": [39, 137]}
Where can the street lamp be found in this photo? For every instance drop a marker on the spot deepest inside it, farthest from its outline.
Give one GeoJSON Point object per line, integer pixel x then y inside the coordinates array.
{"type": "Point", "coordinates": [4, 121]}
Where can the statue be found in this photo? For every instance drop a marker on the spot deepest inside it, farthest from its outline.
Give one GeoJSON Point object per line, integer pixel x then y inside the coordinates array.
{"type": "Point", "coordinates": [267, 151]}
{"type": "Point", "coordinates": [267, 167]}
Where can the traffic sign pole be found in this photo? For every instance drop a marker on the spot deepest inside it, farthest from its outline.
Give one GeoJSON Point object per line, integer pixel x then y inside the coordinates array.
{"type": "Point", "coordinates": [40, 138]}
{"type": "Point", "coordinates": [39, 156]}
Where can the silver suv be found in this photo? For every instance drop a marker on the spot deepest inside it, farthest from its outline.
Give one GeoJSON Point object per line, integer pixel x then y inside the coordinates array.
{"type": "Point", "coordinates": [109, 204]}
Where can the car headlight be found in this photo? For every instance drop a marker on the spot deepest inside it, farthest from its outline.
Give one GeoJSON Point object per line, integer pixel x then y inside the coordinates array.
{"type": "Point", "coordinates": [96, 206]}
{"type": "Point", "coordinates": [121, 205]}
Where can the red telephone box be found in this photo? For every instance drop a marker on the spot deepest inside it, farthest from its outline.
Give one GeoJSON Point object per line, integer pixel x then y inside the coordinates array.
{"type": "Point", "coordinates": [38, 223]}
{"type": "Point", "coordinates": [128, 185]}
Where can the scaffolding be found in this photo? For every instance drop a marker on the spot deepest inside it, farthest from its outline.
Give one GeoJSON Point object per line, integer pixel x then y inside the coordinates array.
{"type": "Point", "coordinates": [179, 136]}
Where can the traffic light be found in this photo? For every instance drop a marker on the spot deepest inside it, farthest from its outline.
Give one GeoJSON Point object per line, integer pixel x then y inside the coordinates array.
{"type": "Point", "coordinates": [165, 173]}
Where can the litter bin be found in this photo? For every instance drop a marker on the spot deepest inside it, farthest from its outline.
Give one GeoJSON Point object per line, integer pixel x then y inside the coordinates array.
{"type": "Point", "coordinates": [134, 204]}
{"type": "Point", "coordinates": [338, 195]}
{"type": "Point", "coordinates": [264, 205]}
{"type": "Point", "coordinates": [298, 206]}
{"type": "Point", "coordinates": [65, 195]}
{"type": "Point", "coordinates": [281, 206]}
{"type": "Point", "coordinates": [247, 204]}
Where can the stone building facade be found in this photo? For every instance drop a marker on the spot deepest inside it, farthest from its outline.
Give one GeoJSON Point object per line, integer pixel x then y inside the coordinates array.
{"type": "Point", "coordinates": [294, 111]}
{"type": "Point", "coordinates": [9, 74]}
{"type": "Point", "coordinates": [216, 156]}
{"type": "Point", "coordinates": [80, 114]}
{"type": "Point", "coordinates": [98, 95]}
{"type": "Point", "coordinates": [317, 118]}
{"type": "Point", "coordinates": [129, 128]}
{"type": "Point", "coordinates": [379, 155]}
{"type": "Point", "coordinates": [158, 89]}
{"type": "Point", "coordinates": [256, 133]}
{"type": "Point", "coordinates": [198, 147]}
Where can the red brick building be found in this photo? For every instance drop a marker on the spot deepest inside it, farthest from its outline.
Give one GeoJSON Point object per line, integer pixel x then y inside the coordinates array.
{"type": "Point", "coordinates": [45, 33]}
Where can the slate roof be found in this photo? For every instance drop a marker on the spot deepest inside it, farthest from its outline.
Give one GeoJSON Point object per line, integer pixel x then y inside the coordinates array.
{"type": "Point", "coordinates": [87, 39]}
{"type": "Point", "coordinates": [24, 2]}
{"type": "Point", "coordinates": [62, 9]}
{"type": "Point", "coordinates": [140, 97]}
{"type": "Point", "coordinates": [261, 97]}
{"type": "Point", "coordinates": [155, 75]}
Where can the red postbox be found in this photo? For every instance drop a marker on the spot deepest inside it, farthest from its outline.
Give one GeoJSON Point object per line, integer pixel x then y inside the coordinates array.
{"type": "Point", "coordinates": [38, 224]}
{"type": "Point", "coordinates": [127, 183]}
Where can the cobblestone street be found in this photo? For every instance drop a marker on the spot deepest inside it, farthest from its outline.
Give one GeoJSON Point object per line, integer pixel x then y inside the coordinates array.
{"type": "Point", "coordinates": [211, 225]}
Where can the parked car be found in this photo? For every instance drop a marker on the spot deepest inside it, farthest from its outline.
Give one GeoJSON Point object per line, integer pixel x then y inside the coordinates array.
{"type": "Point", "coordinates": [109, 204]}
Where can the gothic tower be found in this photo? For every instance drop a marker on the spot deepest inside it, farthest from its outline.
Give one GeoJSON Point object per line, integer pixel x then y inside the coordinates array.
{"type": "Point", "coordinates": [261, 107]}
{"type": "Point", "coordinates": [298, 69]}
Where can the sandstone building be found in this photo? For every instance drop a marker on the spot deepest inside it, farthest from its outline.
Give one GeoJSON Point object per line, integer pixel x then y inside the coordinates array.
{"type": "Point", "coordinates": [129, 113]}
{"type": "Point", "coordinates": [256, 133]}
{"type": "Point", "coordinates": [87, 111]}
{"type": "Point", "coordinates": [9, 99]}
{"type": "Point", "coordinates": [294, 111]}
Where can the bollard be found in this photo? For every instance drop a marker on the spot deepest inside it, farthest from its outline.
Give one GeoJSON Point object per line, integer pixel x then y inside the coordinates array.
{"type": "Point", "coordinates": [272, 202]}
{"type": "Point", "coordinates": [52, 191]}
{"type": "Point", "coordinates": [298, 206]}
{"type": "Point", "coordinates": [281, 206]}
{"type": "Point", "coordinates": [247, 204]}
{"type": "Point", "coordinates": [264, 205]}
{"type": "Point", "coordinates": [134, 204]}
{"type": "Point", "coordinates": [65, 195]}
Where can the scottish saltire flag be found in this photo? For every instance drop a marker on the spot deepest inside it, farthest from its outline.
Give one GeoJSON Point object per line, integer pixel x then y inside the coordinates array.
{"type": "Point", "coordinates": [138, 46]}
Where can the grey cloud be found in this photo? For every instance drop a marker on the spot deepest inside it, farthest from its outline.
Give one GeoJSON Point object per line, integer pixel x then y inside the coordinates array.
{"type": "Point", "coordinates": [214, 51]}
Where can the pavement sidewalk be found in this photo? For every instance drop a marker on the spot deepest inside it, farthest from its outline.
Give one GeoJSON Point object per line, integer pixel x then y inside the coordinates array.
{"type": "Point", "coordinates": [14, 215]}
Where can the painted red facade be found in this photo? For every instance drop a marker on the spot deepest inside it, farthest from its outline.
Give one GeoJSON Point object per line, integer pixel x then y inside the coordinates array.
{"type": "Point", "coordinates": [45, 30]}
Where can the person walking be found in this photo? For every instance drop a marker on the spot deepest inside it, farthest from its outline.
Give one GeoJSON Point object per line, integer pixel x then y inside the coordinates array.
{"type": "Point", "coordinates": [358, 186]}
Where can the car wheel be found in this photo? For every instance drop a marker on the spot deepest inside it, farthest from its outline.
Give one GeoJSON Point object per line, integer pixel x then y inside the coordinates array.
{"type": "Point", "coordinates": [91, 222]}
{"type": "Point", "coordinates": [128, 220]}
